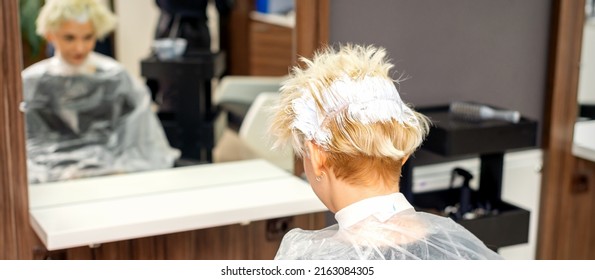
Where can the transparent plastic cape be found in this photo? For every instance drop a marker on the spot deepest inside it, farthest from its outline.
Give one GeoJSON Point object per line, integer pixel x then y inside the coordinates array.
{"type": "Point", "coordinates": [82, 125]}
{"type": "Point", "coordinates": [397, 234]}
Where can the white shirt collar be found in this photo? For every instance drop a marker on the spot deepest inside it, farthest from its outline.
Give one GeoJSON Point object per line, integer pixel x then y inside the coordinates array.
{"type": "Point", "coordinates": [382, 207]}
{"type": "Point", "coordinates": [59, 66]}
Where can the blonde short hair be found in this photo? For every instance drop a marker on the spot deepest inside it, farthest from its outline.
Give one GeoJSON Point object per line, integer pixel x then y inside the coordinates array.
{"type": "Point", "coordinates": [357, 149]}
{"type": "Point", "coordinates": [55, 12]}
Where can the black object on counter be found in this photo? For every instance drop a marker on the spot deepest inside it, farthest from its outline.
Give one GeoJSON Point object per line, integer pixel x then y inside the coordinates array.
{"type": "Point", "coordinates": [587, 111]}
{"type": "Point", "coordinates": [465, 203]}
{"type": "Point", "coordinates": [450, 136]}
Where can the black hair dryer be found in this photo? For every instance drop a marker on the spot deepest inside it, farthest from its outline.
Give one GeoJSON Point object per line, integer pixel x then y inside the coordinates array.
{"type": "Point", "coordinates": [465, 197]}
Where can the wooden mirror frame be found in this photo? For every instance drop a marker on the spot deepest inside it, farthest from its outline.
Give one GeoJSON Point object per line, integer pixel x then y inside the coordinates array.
{"type": "Point", "coordinates": [568, 18]}
{"type": "Point", "coordinates": [16, 234]}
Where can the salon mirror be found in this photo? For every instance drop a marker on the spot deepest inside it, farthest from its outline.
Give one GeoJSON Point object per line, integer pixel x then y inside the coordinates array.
{"type": "Point", "coordinates": [78, 123]}
{"type": "Point", "coordinates": [131, 42]}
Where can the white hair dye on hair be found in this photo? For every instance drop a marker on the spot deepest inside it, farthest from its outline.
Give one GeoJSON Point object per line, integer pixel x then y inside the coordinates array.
{"type": "Point", "coordinates": [366, 100]}
{"type": "Point", "coordinates": [346, 102]}
{"type": "Point", "coordinates": [56, 12]}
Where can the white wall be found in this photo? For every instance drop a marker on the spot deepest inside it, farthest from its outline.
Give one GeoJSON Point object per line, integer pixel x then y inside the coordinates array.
{"type": "Point", "coordinates": [137, 21]}
{"type": "Point", "coordinates": [521, 186]}
{"type": "Point", "coordinates": [586, 86]}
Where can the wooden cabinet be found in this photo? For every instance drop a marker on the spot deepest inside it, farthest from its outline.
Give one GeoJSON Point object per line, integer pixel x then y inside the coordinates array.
{"type": "Point", "coordinates": [270, 49]}
{"type": "Point", "coordinates": [263, 45]}
{"type": "Point", "coordinates": [576, 215]}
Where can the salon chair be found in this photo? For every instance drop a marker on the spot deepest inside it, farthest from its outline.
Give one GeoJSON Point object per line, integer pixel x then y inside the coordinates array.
{"type": "Point", "coordinates": [235, 94]}
{"type": "Point", "coordinates": [253, 132]}
{"type": "Point", "coordinates": [247, 101]}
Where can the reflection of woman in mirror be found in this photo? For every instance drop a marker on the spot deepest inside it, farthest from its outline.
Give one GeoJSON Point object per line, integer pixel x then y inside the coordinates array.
{"type": "Point", "coordinates": [85, 115]}
{"type": "Point", "coordinates": [343, 115]}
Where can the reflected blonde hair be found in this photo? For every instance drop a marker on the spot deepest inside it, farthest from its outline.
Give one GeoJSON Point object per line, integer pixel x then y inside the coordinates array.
{"type": "Point", "coordinates": [360, 152]}
{"type": "Point", "coordinates": [55, 12]}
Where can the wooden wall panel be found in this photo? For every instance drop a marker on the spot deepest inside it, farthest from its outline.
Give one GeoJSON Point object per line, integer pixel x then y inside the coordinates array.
{"type": "Point", "coordinates": [221, 243]}
{"type": "Point", "coordinates": [113, 251]}
{"type": "Point", "coordinates": [576, 222]}
{"type": "Point", "coordinates": [17, 240]}
{"type": "Point", "coordinates": [561, 112]}
{"type": "Point", "coordinates": [148, 246]}
{"type": "Point", "coordinates": [266, 248]}
{"type": "Point", "coordinates": [238, 37]}
{"type": "Point", "coordinates": [312, 20]}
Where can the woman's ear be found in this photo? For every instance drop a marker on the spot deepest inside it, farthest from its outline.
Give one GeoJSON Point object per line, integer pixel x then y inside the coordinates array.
{"type": "Point", "coordinates": [317, 158]}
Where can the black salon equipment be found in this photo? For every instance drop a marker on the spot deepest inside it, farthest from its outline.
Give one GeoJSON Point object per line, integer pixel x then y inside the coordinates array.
{"type": "Point", "coordinates": [587, 111]}
{"type": "Point", "coordinates": [496, 222]}
{"type": "Point", "coordinates": [465, 203]}
{"type": "Point", "coordinates": [189, 117]}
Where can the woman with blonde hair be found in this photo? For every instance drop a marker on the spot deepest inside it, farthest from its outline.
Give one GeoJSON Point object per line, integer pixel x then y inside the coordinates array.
{"type": "Point", "coordinates": [85, 115]}
{"type": "Point", "coordinates": [343, 115]}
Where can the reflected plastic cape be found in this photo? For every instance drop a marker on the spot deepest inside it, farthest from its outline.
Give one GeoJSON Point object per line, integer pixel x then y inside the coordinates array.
{"type": "Point", "coordinates": [82, 125]}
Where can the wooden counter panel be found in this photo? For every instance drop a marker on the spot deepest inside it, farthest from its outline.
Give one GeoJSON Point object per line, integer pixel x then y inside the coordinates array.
{"type": "Point", "coordinates": [233, 242]}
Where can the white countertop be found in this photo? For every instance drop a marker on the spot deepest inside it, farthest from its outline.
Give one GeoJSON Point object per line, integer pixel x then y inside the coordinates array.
{"type": "Point", "coordinates": [285, 20]}
{"type": "Point", "coordinates": [120, 207]}
{"type": "Point", "coordinates": [584, 140]}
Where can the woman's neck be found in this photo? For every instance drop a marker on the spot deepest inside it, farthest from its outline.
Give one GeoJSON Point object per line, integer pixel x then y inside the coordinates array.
{"type": "Point", "coordinates": [344, 194]}
{"type": "Point", "coordinates": [62, 66]}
